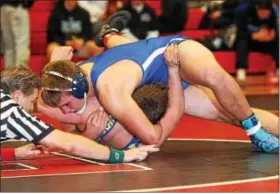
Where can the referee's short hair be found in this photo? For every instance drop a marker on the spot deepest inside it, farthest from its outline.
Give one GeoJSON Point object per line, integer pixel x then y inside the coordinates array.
{"type": "Point", "coordinates": [20, 78]}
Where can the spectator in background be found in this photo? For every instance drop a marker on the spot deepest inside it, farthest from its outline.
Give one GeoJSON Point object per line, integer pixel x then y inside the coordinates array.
{"type": "Point", "coordinates": [70, 25]}
{"type": "Point", "coordinates": [143, 21]}
{"type": "Point", "coordinates": [96, 10]}
{"type": "Point", "coordinates": [257, 31]}
{"type": "Point", "coordinates": [15, 31]}
{"type": "Point", "coordinates": [220, 15]}
{"type": "Point", "coordinates": [114, 6]}
{"type": "Point", "coordinates": [173, 17]}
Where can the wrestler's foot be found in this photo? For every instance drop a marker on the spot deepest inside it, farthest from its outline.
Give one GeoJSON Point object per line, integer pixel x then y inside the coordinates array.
{"type": "Point", "coordinates": [264, 141]}
{"type": "Point", "coordinates": [261, 139]}
{"type": "Point", "coordinates": [115, 23]}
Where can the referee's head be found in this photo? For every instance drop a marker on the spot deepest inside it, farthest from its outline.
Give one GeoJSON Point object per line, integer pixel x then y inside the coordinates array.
{"type": "Point", "coordinates": [22, 84]}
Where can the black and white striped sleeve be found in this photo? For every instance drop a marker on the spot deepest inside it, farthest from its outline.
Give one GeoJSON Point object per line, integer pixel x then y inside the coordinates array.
{"type": "Point", "coordinates": [22, 125]}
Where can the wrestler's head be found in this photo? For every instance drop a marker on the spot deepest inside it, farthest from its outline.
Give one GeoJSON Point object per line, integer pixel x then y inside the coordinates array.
{"type": "Point", "coordinates": [59, 81]}
{"type": "Point", "coordinates": [153, 100]}
{"type": "Point", "coordinates": [22, 84]}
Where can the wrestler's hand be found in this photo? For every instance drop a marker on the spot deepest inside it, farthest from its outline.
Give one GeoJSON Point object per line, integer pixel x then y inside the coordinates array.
{"type": "Point", "coordinates": [171, 56]}
{"type": "Point", "coordinates": [96, 124]}
{"type": "Point", "coordinates": [62, 53]}
{"type": "Point", "coordinates": [139, 154]}
{"type": "Point", "coordinates": [27, 150]}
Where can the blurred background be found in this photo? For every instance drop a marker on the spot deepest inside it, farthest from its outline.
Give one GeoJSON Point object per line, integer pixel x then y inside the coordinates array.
{"type": "Point", "coordinates": [243, 34]}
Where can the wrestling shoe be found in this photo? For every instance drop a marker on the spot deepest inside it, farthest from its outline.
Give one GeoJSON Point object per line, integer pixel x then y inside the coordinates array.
{"type": "Point", "coordinates": [115, 23]}
{"type": "Point", "coordinates": [260, 138]}
{"type": "Point", "coordinates": [264, 141]}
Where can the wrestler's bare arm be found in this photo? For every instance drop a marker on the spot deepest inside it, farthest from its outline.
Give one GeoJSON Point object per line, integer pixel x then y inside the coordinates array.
{"type": "Point", "coordinates": [115, 87]}
{"type": "Point", "coordinates": [176, 102]}
{"type": "Point", "coordinates": [56, 113]}
{"type": "Point", "coordinates": [115, 96]}
{"type": "Point", "coordinates": [91, 127]}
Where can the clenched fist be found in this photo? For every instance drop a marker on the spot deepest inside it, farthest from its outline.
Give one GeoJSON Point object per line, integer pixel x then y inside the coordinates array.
{"type": "Point", "coordinates": [62, 53]}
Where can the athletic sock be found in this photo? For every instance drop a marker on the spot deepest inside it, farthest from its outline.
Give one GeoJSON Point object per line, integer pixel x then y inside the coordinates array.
{"type": "Point", "coordinates": [252, 124]}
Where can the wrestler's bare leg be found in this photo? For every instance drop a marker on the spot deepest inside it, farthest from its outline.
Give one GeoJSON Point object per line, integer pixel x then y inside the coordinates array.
{"type": "Point", "coordinates": [204, 103]}
{"type": "Point", "coordinates": [199, 66]}
{"type": "Point", "coordinates": [201, 102]}
{"type": "Point", "coordinates": [116, 40]}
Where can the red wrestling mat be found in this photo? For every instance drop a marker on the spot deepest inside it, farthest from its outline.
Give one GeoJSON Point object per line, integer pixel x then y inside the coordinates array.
{"type": "Point", "coordinates": [54, 164]}
{"type": "Point", "coordinates": [267, 184]}
{"type": "Point", "coordinates": [198, 160]}
{"type": "Point", "coordinates": [260, 186]}
{"type": "Point", "coordinates": [192, 127]}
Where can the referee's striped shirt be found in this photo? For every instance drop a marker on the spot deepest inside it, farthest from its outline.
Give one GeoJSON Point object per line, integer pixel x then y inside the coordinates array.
{"type": "Point", "coordinates": [18, 124]}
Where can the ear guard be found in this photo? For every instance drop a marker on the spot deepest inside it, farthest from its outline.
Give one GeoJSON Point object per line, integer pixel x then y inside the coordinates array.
{"type": "Point", "coordinates": [78, 87]}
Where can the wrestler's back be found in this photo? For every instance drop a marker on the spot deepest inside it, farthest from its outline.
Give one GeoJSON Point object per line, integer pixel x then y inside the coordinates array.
{"type": "Point", "coordinates": [148, 54]}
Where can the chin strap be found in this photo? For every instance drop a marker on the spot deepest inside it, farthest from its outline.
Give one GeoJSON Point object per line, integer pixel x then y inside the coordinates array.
{"type": "Point", "coordinates": [82, 110]}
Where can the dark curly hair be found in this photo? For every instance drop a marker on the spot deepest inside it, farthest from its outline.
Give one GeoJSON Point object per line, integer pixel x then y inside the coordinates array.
{"type": "Point", "coordinates": [153, 100]}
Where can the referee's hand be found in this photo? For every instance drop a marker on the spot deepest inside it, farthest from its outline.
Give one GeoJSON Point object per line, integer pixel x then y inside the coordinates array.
{"type": "Point", "coordinates": [26, 151]}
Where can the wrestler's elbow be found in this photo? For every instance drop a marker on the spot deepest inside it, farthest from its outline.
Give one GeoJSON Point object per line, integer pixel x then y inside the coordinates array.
{"type": "Point", "coordinates": [151, 139]}
{"type": "Point", "coordinates": [154, 136]}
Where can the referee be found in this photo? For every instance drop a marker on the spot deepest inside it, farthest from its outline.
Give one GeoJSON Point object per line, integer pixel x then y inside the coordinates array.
{"type": "Point", "coordinates": [18, 94]}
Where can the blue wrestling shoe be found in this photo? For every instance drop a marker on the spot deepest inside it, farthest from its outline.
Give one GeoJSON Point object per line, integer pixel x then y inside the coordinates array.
{"type": "Point", "coordinates": [264, 141]}
{"type": "Point", "coordinates": [261, 139]}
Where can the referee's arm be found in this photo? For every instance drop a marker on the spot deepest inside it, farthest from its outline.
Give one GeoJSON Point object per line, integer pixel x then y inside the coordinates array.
{"type": "Point", "coordinates": [22, 125]}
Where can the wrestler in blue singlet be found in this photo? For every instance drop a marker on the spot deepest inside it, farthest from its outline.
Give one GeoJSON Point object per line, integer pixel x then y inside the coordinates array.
{"type": "Point", "coordinates": [148, 54]}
